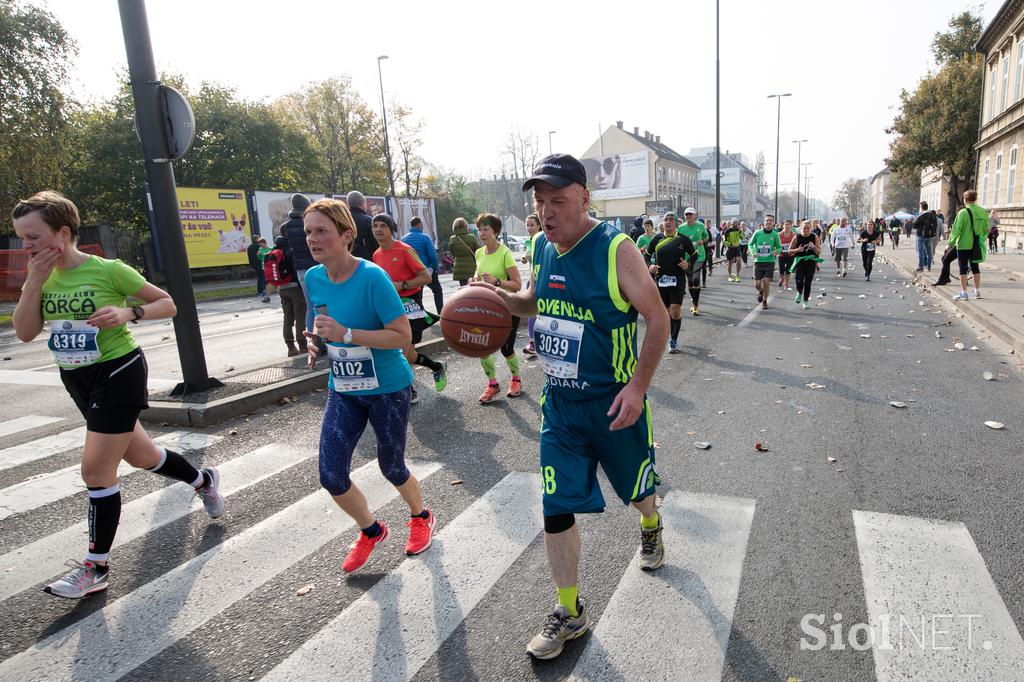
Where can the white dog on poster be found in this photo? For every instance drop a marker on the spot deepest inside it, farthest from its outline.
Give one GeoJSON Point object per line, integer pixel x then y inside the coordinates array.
{"type": "Point", "coordinates": [236, 240]}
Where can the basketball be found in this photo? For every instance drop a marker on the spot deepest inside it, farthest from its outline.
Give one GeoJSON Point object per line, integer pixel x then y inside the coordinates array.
{"type": "Point", "coordinates": [475, 322]}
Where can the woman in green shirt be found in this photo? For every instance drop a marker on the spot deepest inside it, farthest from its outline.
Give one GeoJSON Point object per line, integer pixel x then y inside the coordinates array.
{"type": "Point", "coordinates": [969, 233]}
{"type": "Point", "coordinates": [84, 298]}
{"type": "Point", "coordinates": [496, 265]}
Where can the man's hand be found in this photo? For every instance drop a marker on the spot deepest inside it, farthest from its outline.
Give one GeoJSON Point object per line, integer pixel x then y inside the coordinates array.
{"type": "Point", "coordinates": [110, 316]}
{"type": "Point", "coordinates": [654, 269]}
{"type": "Point", "coordinates": [626, 408]}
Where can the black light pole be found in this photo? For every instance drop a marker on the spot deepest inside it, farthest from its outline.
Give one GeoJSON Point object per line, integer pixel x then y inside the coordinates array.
{"type": "Point", "coordinates": [384, 115]}
{"type": "Point", "coordinates": [166, 219]}
{"type": "Point", "coordinates": [807, 187]}
{"type": "Point", "coordinates": [550, 133]}
{"type": "Point", "coordinates": [799, 146]}
{"type": "Point", "coordinates": [778, 128]}
{"type": "Point", "coordinates": [718, 115]}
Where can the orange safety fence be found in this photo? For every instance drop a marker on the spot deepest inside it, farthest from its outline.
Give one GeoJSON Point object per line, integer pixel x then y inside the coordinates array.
{"type": "Point", "coordinates": [14, 269]}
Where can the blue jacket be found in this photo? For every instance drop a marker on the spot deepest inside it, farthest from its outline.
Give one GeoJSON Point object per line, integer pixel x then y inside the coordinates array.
{"type": "Point", "coordinates": [424, 247]}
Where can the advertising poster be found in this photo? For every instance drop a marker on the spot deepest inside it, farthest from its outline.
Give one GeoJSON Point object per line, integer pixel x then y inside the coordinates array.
{"type": "Point", "coordinates": [656, 209]}
{"type": "Point", "coordinates": [406, 209]}
{"type": "Point", "coordinates": [216, 226]}
{"type": "Point", "coordinates": [618, 176]}
{"type": "Point", "coordinates": [272, 210]}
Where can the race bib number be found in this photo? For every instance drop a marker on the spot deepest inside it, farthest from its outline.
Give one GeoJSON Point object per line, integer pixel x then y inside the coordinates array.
{"type": "Point", "coordinates": [413, 310]}
{"type": "Point", "coordinates": [666, 281]}
{"type": "Point", "coordinates": [764, 249]}
{"type": "Point", "coordinates": [558, 344]}
{"type": "Point", "coordinates": [869, 246]}
{"type": "Point", "coordinates": [352, 368]}
{"type": "Point", "coordinates": [73, 342]}
{"type": "Point", "coordinates": [743, 242]}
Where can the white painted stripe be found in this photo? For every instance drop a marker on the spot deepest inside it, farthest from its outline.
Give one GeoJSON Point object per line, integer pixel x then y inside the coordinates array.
{"type": "Point", "coordinates": [27, 378]}
{"type": "Point", "coordinates": [392, 630]}
{"type": "Point", "coordinates": [686, 606]}
{"type": "Point", "coordinates": [55, 485]}
{"type": "Point", "coordinates": [757, 309]}
{"type": "Point", "coordinates": [25, 423]}
{"type": "Point", "coordinates": [42, 447]}
{"type": "Point", "coordinates": [153, 617]}
{"type": "Point", "coordinates": [41, 560]}
{"type": "Point", "coordinates": [918, 569]}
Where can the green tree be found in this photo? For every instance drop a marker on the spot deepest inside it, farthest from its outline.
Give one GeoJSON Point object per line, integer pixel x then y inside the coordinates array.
{"type": "Point", "coordinates": [35, 52]}
{"type": "Point", "coordinates": [937, 126]}
{"type": "Point", "coordinates": [453, 198]}
{"type": "Point", "coordinates": [406, 130]}
{"type": "Point", "coordinates": [345, 133]}
{"type": "Point", "coordinates": [851, 199]}
{"type": "Point", "coordinates": [902, 194]}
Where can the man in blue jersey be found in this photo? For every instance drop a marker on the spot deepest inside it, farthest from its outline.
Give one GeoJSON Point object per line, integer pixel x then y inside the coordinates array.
{"type": "Point", "coordinates": [590, 283]}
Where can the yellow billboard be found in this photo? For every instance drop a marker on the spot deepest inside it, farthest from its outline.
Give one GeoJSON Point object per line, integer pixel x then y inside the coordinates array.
{"type": "Point", "coordinates": [216, 226]}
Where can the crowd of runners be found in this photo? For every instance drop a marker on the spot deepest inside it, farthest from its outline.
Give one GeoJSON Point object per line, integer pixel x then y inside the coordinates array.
{"type": "Point", "coordinates": [588, 286]}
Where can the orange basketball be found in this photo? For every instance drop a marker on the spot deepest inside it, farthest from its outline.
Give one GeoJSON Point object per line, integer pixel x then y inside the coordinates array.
{"type": "Point", "coordinates": [475, 322]}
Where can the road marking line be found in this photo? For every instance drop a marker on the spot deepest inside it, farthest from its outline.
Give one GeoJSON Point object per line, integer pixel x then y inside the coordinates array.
{"type": "Point", "coordinates": [56, 485]}
{"type": "Point", "coordinates": [141, 624]}
{"type": "Point", "coordinates": [42, 447]}
{"type": "Point", "coordinates": [753, 313]}
{"type": "Point", "coordinates": [686, 606]}
{"type": "Point", "coordinates": [41, 560]}
{"type": "Point", "coordinates": [927, 588]}
{"type": "Point", "coordinates": [395, 627]}
{"type": "Point", "coordinates": [25, 423]}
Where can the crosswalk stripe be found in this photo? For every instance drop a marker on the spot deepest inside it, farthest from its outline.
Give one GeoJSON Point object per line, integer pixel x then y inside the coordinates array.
{"type": "Point", "coordinates": [25, 423]}
{"type": "Point", "coordinates": [408, 614]}
{"type": "Point", "coordinates": [41, 448]}
{"type": "Point", "coordinates": [113, 641]}
{"type": "Point", "coordinates": [27, 378]}
{"type": "Point", "coordinates": [686, 606]}
{"type": "Point", "coordinates": [55, 485]}
{"type": "Point", "coordinates": [31, 564]}
{"type": "Point", "coordinates": [932, 605]}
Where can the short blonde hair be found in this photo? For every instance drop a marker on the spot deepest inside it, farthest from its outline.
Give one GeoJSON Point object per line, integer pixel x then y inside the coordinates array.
{"type": "Point", "coordinates": [55, 209]}
{"type": "Point", "coordinates": [336, 211]}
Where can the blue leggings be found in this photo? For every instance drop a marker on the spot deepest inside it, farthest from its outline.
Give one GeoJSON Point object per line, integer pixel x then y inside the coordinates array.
{"type": "Point", "coordinates": [344, 422]}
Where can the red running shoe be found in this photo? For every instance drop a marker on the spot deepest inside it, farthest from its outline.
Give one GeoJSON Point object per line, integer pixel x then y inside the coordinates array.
{"type": "Point", "coordinates": [421, 531]}
{"type": "Point", "coordinates": [363, 548]}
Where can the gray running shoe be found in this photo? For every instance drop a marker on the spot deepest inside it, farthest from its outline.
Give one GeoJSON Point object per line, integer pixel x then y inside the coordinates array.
{"type": "Point", "coordinates": [80, 582]}
{"type": "Point", "coordinates": [559, 629]}
{"type": "Point", "coordinates": [213, 501]}
{"type": "Point", "coordinates": [652, 550]}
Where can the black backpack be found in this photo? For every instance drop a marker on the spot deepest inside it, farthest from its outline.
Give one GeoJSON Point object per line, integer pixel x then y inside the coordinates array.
{"type": "Point", "coordinates": [926, 224]}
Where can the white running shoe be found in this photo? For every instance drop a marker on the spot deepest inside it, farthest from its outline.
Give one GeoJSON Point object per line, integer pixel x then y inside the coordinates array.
{"type": "Point", "coordinates": [213, 501]}
{"type": "Point", "coordinates": [84, 580]}
{"type": "Point", "coordinates": [962, 296]}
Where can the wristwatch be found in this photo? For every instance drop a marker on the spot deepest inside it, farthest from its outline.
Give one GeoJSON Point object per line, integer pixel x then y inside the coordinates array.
{"type": "Point", "coordinates": [139, 312]}
{"type": "Point", "coordinates": [347, 336]}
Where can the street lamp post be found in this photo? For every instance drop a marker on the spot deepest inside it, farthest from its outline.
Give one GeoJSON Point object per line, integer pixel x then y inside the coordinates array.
{"type": "Point", "coordinates": [807, 185]}
{"type": "Point", "coordinates": [384, 116]}
{"type": "Point", "coordinates": [718, 114]}
{"type": "Point", "coordinates": [778, 128]}
{"type": "Point", "coordinates": [550, 133]}
{"type": "Point", "coordinates": [799, 147]}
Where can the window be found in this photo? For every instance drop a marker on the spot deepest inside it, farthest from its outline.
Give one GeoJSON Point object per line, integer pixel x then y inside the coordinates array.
{"type": "Point", "coordinates": [1020, 71]}
{"type": "Point", "coordinates": [991, 92]}
{"type": "Point", "coordinates": [984, 185]}
{"type": "Point", "coordinates": [999, 173]}
{"type": "Point", "coordinates": [1011, 175]}
{"type": "Point", "coordinates": [1006, 83]}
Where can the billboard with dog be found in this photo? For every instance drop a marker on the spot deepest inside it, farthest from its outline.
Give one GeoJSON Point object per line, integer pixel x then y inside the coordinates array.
{"type": "Point", "coordinates": [216, 226]}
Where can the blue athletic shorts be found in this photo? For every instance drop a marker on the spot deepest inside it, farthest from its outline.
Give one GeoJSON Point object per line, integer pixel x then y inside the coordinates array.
{"type": "Point", "coordinates": [574, 438]}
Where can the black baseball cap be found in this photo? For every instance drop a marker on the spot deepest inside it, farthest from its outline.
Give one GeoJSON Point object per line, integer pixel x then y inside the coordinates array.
{"type": "Point", "coordinates": [558, 170]}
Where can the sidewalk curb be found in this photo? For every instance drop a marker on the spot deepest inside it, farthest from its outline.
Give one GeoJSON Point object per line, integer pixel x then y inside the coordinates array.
{"type": "Point", "coordinates": [976, 315]}
{"type": "Point", "coordinates": [200, 415]}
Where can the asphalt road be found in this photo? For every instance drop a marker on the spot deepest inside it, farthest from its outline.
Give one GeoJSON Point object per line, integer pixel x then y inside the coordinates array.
{"type": "Point", "coordinates": [916, 518]}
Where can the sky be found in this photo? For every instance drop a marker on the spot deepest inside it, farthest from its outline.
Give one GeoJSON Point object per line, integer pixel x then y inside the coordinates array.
{"type": "Point", "coordinates": [473, 71]}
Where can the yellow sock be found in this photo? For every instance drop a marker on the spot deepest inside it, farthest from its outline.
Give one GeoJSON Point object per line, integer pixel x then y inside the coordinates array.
{"type": "Point", "coordinates": [567, 598]}
{"type": "Point", "coordinates": [649, 522]}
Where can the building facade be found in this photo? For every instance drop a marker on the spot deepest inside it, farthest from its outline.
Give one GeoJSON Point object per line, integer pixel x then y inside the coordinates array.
{"type": "Point", "coordinates": [935, 190]}
{"type": "Point", "coordinates": [1001, 138]}
{"type": "Point", "coordinates": [739, 182]}
{"type": "Point", "coordinates": [626, 170]}
{"type": "Point", "coordinates": [878, 185]}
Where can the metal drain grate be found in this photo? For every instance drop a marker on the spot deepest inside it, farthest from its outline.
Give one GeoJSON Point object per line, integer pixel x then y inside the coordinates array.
{"type": "Point", "coordinates": [268, 375]}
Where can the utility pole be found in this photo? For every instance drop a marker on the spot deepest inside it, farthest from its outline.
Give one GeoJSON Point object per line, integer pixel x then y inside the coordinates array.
{"type": "Point", "coordinates": [384, 115]}
{"type": "Point", "coordinates": [778, 129]}
{"type": "Point", "coordinates": [150, 117]}
{"type": "Point", "coordinates": [799, 146]}
{"type": "Point", "coordinates": [718, 113]}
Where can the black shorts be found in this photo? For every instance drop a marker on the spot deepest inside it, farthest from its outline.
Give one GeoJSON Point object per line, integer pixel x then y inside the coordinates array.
{"type": "Point", "coordinates": [111, 394]}
{"type": "Point", "coordinates": [732, 253]}
{"type": "Point", "coordinates": [785, 263]}
{"type": "Point", "coordinates": [673, 295]}
{"type": "Point", "coordinates": [764, 270]}
{"type": "Point", "coordinates": [963, 259]}
{"type": "Point", "coordinates": [419, 324]}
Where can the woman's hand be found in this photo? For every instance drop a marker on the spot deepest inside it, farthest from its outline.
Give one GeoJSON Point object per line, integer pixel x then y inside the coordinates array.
{"type": "Point", "coordinates": [654, 269]}
{"type": "Point", "coordinates": [42, 264]}
{"type": "Point", "coordinates": [110, 316]}
{"type": "Point", "coordinates": [328, 328]}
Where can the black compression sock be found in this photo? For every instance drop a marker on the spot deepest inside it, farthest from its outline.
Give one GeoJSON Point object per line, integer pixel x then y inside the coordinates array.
{"type": "Point", "coordinates": [424, 361]}
{"type": "Point", "coordinates": [104, 515]}
{"type": "Point", "coordinates": [674, 326]}
{"type": "Point", "coordinates": [173, 465]}
{"type": "Point", "coordinates": [425, 514]}
{"type": "Point", "coordinates": [372, 531]}
{"type": "Point", "coordinates": [695, 295]}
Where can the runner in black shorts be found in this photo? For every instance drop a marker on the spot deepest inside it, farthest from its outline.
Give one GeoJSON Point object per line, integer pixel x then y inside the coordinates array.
{"type": "Point", "coordinates": [84, 298]}
{"type": "Point", "coordinates": [672, 256]}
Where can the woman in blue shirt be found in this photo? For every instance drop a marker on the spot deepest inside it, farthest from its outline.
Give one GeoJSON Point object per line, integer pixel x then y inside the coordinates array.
{"type": "Point", "coordinates": [361, 318]}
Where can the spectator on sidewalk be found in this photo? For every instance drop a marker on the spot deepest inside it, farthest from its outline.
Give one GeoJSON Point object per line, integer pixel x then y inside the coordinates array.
{"type": "Point", "coordinates": [993, 232]}
{"type": "Point", "coordinates": [428, 254]}
{"type": "Point", "coordinates": [364, 244]}
{"type": "Point", "coordinates": [280, 267]}
{"type": "Point", "coordinates": [463, 245]}
{"type": "Point", "coordinates": [927, 226]}
{"type": "Point", "coordinates": [294, 230]}
{"type": "Point", "coordinates": [969, 233]}
{"type": "Point", "coordinates": [257, 265]}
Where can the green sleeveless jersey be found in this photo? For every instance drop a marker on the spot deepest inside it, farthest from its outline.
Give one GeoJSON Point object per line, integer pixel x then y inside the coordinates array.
{"type": "Point", "coordinates": [585, 332]}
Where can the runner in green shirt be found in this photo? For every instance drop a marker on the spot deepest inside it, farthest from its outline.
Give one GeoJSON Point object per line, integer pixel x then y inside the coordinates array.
{"type": "Point", "coordinates": [766, 245]}
{"type": "Point", "coordinates": [496, 266]}
{"type": "Point", "coordinates": [698, 235]}
{"type": "Point", "coordinates": [732, 237]}
{"type": "Point", "coordinates": [647, 236]}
